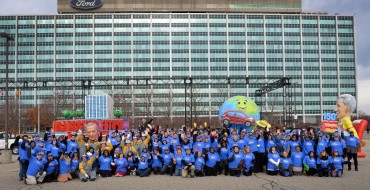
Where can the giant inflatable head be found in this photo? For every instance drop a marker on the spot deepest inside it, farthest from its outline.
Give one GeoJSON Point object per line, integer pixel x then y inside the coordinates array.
{"type": "Point", "coordinates": [346, 104]}
{"type": "Point", "coordinates": [239, 110]}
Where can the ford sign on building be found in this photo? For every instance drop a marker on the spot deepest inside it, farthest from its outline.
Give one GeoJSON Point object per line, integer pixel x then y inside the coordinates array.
{"type": "Point", "coordinates": [86, 4]}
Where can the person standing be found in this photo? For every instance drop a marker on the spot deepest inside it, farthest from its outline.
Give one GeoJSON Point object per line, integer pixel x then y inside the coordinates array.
{"type": "Point", "coordinates": [353, 144]}
{"type": "Point", "coordinates": [23, 158]}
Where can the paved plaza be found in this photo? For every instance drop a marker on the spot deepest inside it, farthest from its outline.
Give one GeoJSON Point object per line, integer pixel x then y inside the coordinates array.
{"type": "Point", "coordinates": [351, 180]}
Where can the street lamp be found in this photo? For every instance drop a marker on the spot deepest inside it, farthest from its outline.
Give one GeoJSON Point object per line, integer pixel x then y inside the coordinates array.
{"type": "Point", "coordinates": [8, 38]}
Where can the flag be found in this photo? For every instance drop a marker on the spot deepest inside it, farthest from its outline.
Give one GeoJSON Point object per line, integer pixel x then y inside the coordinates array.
{"type": "Point", "coordinates": [1, 91]}
{"type": "Point", "coordinates": [18, 93]}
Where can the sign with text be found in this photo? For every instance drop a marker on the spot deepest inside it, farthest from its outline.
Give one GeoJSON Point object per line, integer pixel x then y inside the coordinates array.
{"type": "Point", "coordinates": [329, 123]}
{"type": "Point", "coordinates": [86, 4]}
{"type": "Point", "coordinates": [105, 125]}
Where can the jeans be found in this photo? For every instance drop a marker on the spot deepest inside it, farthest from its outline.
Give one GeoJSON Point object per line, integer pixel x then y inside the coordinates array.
{"type": "Point", "coordinates": [23, 165]}
{"type": "Point", "coordinates": [143, 172]}
{"type": "Point", "coordinates": [178, 171]}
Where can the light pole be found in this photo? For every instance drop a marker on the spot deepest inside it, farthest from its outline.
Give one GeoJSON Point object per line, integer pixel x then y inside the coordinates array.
{"type": "Point", "coordinates": [8, 38]}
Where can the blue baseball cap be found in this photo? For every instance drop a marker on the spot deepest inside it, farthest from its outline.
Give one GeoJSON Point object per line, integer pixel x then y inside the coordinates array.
{"type": "Point", "coordinates": [335, 135]}
{"type": "Point", "coordinates": [36, 135]}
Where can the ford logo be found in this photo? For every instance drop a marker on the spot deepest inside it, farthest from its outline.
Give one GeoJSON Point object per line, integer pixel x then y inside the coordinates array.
{"type": "Point", "coordinates": [86, 4]}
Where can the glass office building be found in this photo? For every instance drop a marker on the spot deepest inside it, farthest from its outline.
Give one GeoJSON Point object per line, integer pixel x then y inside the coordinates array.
{"type": "Point", "coordinates": [317, 51]}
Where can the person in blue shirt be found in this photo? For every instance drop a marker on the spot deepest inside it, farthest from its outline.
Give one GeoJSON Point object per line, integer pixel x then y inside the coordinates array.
{"type": "Point", "coordinates": [105, 162]}
{"type": "Point", "coordinates": [31, 152]}
{"type": "Point", "coordinates": [261, 151]}
{"type": "Point", "coordinates": [294, 142]}
{"type": "Point", "coordinates": [64, 168]}
{"type": "Point", "coordinates": [53, 148]}
{"type": "Point", "coordinates": [212, 162]}
{"type": "Point", "coordinates": [286, 165]}
{"type": "Point", "coordinates": [199, 145]}
{"type": "Point", "coordinates": [72, 144]}
{"type": "Point", "coordinates": [337, 169]}
{"type": "Point", "coordinates": [51, 169]}
{"type": "Point", "coordinates": [307, 145]}
{"type": "Point", "coordinates": [337, 144]}
{"type": "Point", "coordinates": [270, 142]}
{"type": "Point", "coordinates": [35, 171]}
{"type": "Point", "coordinates": [188, 163]}
{"type": "Point", "coordinates": [199, 165]}
{"type": "Point", "coordinates": [121, 165]}
{"type": "Point", "coordinates": [143, 169]}
{"type": "Point", "coordinates": [297, 160]}
{"type": "Point", "coordinates": [167, 162]}
{"type": "Point", "coordinates": [177, 161]}
{"type": "Point", "coordinates": [233, 142]}
{"type": "Point", "coordinates": [22, 156]}
{"type": "Point", "coordinates": [309, 163]}
{"type": "Point", "coordinates": [235, 161]}
{"type": "Point", "coordinates": [248, 161]}
{"type": "Point", "coordinates": [223, 152]}
{"type": "Point", "coordinates": [273, 161]}
{"type": "Point", "coordinates": [324, 163]}
{"type": "Point", "coordinates": [321, 144]}
{"type": "Point", "coordinates": [132, 162]}
{"type": "Point", "coordinates": [353, 144]}
{"type": "Point", "coordinates": [75, 161]}
{"type": "Point", "coordinates": [157, 162]}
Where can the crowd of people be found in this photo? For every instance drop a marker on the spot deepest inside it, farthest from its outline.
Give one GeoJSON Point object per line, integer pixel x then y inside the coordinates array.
{"type": "Point", "coordinates": [185, 152]}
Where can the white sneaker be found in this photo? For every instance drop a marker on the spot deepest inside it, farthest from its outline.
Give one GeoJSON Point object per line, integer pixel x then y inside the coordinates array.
{"type": "Point", "coordinates": [133, 173]}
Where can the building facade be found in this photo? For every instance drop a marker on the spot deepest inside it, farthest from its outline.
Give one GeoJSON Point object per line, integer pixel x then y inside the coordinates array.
{"type": "Point", "coordinates": [99, 107]}
{"type": "Point", "coordinates": [317, 51]}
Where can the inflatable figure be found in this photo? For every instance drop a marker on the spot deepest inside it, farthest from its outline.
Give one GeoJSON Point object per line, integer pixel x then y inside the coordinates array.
{"type": "Point", "coordinates": [346, 104]}
{"type": "Point", "coordinates": [248, 106]}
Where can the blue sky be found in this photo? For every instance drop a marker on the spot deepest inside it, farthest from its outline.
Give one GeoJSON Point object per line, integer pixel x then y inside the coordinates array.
{"type": "Point", "coordinates": [358, 8]}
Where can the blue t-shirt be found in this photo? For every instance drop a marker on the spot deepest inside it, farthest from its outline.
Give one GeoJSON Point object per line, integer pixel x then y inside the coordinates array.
{"type": "Point", "coordinates": [105, 162]}
{"type": "Point", "coordinates": [275, 157]}
{"type": "Point", "coordinates": [238, 157]}
{"type": "Point", "coordinates": [64, 166]}
{"type": "Point", "coordinates": [337, 145]}
{"type": "Point", "coordinates": [132, 161]}
{"type": "Point", "coordinates": [199, 163]}
{"type": "Point", "coordinates": [224, 153]}
{"type": "Point", "coordinates": [34, 166]}
{"type": "Point", "coordinates": [22, 153]}
{"type": "Point", "coordinates": [286, 162]}
{"type": "Point", "coordinates": [261, 145]}
{"type": "Point", "coordinates": [324, 163]}
{"type": "Point", "coordinates": [309, 161]}
{"type": "Point", "coordinates": [51, 167]}
{"type": "Point", "coordinates": [321, 145]}
{"type": "Point", "coordinates": [156, 162]}
{"type": "Point", "coordinates": [198, 146]}
{"type": "Point", "coordinates": [352, 141]}
{"type": "Point", "coordinates": [72, 145]}
{"type": "Point", "coordinates": [337, 162]}
{"type": "Point", "coordinates": [270, 143]}
{"type": "Point", "coordinates": [167, 158]}
{"type": "Point", "coordinates": [74, 164]}
{"type": "Point", "coordinates": [143, 164]}
{"type": "Point", "coordinates": [189, 158]}
{"type": "Point", "coordinates": [297, 159]}
{"type": "Point", "coordinates": [307, 146]}
{"type": "Point", "coordinates": [252, 143]}
{"type": "Point", "coordinates": [248, 161]}
{"type": "Point", "coordinates": [121, 164]}
{"type": "Point", "coordinates": [53, 150]}
{"type": "Point", "coordinates": [293, 144]}
{"type": "Point", "coordinates": [179, 158]}
{"type": "Point", "coordinates": [212, 159]}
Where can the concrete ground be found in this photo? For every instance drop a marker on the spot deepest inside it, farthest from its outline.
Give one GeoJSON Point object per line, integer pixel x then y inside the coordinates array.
{"type": "Point", "coordinates": [351, 180]}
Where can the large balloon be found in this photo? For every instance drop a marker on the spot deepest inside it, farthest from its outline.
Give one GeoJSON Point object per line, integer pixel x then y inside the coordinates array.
{"type": "Point", "coordinates": [66, 113]}
{"type": "Point", "coordinates": [239, 112]}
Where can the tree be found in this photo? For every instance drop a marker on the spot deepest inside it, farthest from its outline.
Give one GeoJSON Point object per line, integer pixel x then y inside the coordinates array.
{"type": "Point", "coordinates": [167, 105]}
{"type": "Point", "coordinates": [46, 116]}
{"type": "Point", "coordinates": [13, 115]}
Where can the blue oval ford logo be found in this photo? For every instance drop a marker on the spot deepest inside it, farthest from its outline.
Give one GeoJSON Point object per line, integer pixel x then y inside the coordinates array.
{"type": "Point", "coordinates": [86, 4]}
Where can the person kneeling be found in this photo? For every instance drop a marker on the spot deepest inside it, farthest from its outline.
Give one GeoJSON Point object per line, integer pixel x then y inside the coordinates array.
{"type": "Point", "coordinates": [143, 167]}
{"type": "Point", "coordinates": [199, 165]}
{"type": "Point", "coordinates": [324, 163]}
{"type": "Point", "coordinates": [248, 162]}
{"type": "Point", "coordinates": [85, 168]}
{"type": "Point", "coordinates": [286, 166]}
{"type": "Point", "coordinates": [35, 172]}
{"type": "Point", "coordinates": [51, 168]}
